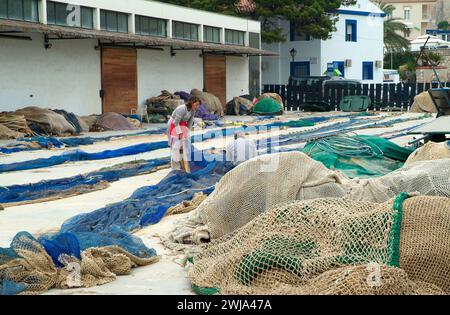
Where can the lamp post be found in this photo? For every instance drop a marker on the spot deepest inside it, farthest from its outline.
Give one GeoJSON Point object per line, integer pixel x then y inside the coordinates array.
{"type": "Point", "coordinates": [293, 53]}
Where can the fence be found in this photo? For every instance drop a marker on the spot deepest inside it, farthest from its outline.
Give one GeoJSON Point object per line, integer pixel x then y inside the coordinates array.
{"type": "Point", "coordinates": [387, 96]}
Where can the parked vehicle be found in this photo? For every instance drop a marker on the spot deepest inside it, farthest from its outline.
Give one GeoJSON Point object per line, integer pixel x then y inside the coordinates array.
{"type": "Point", "coordinates": [310, 80]}
{"type": "Point", "coordinates": [334, 83]}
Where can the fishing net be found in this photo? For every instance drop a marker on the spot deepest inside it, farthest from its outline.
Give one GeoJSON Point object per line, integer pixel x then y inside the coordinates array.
{"type": "Point", "coordinates": [6, 133]}
{"type": "Point", "coordinates": [72, 119]}
{"type": "Point", "coordinates": [90, 121]}
{"type": "Point", "coordinates": [211, 102]}
{"type": "Point", "coordinates": [28, 268]}
{"type": "Point", "coordinates": [64, 187]}
{"type": "Point", "coordinates": [423, 103]}
{"type": "Point", "coordinates": [268, 106]}
{"type": "Point", "coordinates": [261, 183]}
{"type": "Point", "coordinates": [15, 123]}
{"type": "Point", "coordinates": [113, 121]}
{"type": "Point", "coordinates": [334, 246]}
{"type": "Point", "coordinates": [256, 186]}
{"type": "Point", "coordinates": [358, 156]}
{"type": "Point", "coordinates": [187, 205]}
{"type": "Point", "coordinates": [430, 151]}
{"type": "Point", "coordinates": [45, 122]}
{"type": "Point", "coordinates": [79, 155]}
{"type": "Point", "coordinates": [148, 205]}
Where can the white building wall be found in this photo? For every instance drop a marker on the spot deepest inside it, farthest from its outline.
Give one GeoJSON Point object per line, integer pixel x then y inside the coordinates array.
{"type": "Point", "coordinates": [369, 47]}
{"type": "Point", "coordinates": [237, 76]}
{"type": "Point", "coordinates": [67, 76]}
{"type": "Point", "coordinates": [171, 12]}
{"type": "Point", "coordinates": [157, 71]}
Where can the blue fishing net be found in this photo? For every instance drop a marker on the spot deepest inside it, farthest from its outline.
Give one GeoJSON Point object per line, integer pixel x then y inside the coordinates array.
{"type": "Point", "coordinates": [21, 241]}
{"type": "Point", "coordinates": [52, 142]}
{"type": "Point", "coordinates": [148, 205]}
{"type": "Point", "coordinates": [58, 246]}
{"type": "Point", "coordinates": [61, 243]}
{"type": "Point", "coordinates": [73, 243]}
{"type": "Point", "coordinates": [353, 124]}
{"type": "Point", "coordinates": [61, 186]}
{"type": "Point", "coordinates": [78, 155]}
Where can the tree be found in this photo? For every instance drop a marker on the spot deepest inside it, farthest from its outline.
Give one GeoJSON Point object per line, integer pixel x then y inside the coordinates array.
{"type": "Point", "coordinates": [316, 18]}
{"type": "Point", "coordinates": [443, 25]}
{"type": "Point", "coordinates": [405, 61]}
{"type": "Point", "coordinates": [393, 28]}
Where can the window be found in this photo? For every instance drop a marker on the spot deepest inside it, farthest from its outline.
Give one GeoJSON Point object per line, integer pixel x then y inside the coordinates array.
{"type": "Point", "coordinates": [367, 70]}
{"type": "Point", "coordinates": [114, 21]}
{"type": "Point", "coordinates": [407, 33]}
{"type": "Point", "coordinates": [234, 37]}
{"type": "Point", "coordinates": [211, 34]}
{"type": "Point", "coordinates": [350, 30]}
{"type": "Point", "coordinates": [63, 14]}
{"type": "Point", "coordinates": [25, 10]}
{"type": "Point", "coordinates": [300, 69]}
{"type": "Point", "coordinates": [294, 36]}
{"type": "Point", "coordinates": [407, 13]}
{"type": "Point", "coordinates": [425, 14]}
{"type": "Point", "coordinates": [151, 26]}
{"type": "Point", "coordinates": [184, 31]}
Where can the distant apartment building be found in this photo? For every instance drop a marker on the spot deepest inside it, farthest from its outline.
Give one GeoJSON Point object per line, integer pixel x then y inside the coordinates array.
{"type": "Point", "coordinates": [442, 10]}
{"type": "Point", "coordinates": [418, 15]}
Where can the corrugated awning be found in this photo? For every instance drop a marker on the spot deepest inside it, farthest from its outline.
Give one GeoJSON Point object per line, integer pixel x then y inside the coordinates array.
{"type": "Point", "coordinates": [62, 32]}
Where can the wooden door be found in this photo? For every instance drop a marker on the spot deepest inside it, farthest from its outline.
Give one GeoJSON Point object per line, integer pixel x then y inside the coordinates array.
{"type": "Point", "coordinates": [215, 76]}
{"type": "Point", "coordinates": [119, 80]}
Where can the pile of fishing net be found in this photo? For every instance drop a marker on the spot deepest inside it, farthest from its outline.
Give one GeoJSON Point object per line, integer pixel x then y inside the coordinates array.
{"type": "Point", "coordinates": [165, 99]}
{"type": "Point", "coordinates": [430, 151]}
{"type": "Point", "coordinates": [79, 124]}
{"type": "Point", "coordinates": [13, 126]}
{"type": "Point", "coordinates": [211, 102]}
{"type": "Point", "coordinates": [89, 121]}
{"type": "Point", "coordinates": [268, 104]}
{"type": "Point", "coordinates": [6, 133]}
{"type": "Point", "coordinates": [113, 121]}
{"type": "Point", "coordinates": [359, 155]}
{"type": "Point", "coordinates": [45, 121]}
{"type": "Point", "coordinates": [423, 103]}
{"type": "Point", "coordinates": [32, 266]}
{"type": "Point", "coordinates": [264, 182]}
{"type": "Point", "coordinates": [333, 246]}
{"type": "Point", "coordinates": [240, 105]}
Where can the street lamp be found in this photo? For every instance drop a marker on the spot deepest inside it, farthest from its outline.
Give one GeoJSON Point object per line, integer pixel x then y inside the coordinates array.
{"type": "Point", "coordinates": [293, 53]}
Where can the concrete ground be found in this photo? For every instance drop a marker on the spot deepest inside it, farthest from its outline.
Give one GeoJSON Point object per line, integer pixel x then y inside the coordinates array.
{"type": "Point", "coordinates": [166, 276]}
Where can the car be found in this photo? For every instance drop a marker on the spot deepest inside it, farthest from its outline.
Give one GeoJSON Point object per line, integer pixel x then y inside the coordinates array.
{"type": "Point", "coordinates": [334, 83]}
{"type": "Point", "coordinates": [310, 80]}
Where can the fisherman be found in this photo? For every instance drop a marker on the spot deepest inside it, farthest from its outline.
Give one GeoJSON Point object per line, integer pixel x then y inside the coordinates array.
{"type": "Point", "coordinates": [178, 127]}
{"type": "Point", "coordinates": [241, 149]}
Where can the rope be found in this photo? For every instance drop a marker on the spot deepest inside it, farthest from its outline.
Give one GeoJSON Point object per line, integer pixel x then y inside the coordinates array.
{"type": "Point", "coordinates": [186, 190]}
{"type": "Point", "coordinates": [347, 146]}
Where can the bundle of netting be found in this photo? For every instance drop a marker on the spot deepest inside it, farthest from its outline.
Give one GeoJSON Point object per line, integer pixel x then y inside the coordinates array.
{"type": "Point", "coordinates": [259, 184]}
{"type": "Point", "coordinates": [32, 266]}
{"type": "Point", "coordinates": [333, 246]}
